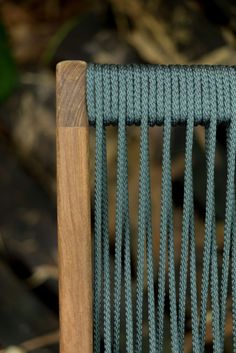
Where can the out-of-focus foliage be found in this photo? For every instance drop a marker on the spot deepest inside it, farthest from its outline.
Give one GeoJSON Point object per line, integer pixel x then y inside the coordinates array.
{"type": "Point", "coordinates": [8, 70]}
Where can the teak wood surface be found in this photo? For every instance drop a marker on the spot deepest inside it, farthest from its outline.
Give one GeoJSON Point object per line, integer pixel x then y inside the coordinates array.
{"type": "Point", "coordinates": [74, 224]}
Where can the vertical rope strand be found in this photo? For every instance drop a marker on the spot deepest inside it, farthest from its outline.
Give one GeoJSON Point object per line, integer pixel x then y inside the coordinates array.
{"type": "Point", "coordinates": [98, 225]}
{"type": "Point", "coordinates": [210, 162]}
{"type": "Point", "coordinates": [145, 233]}
{"type": "Point", "coordinates": [187, 218]}
{"type": "Point", "coordinates": [166, 173]}
{"type": "Point", "coordinates": [233, 277]}
{"type": "Point", "coordinates": [197, 87]}
{"type": "Point", "coordinates": [106, 254]}
{"type": "Point", "coordinates": [172, 289]}
{"type": "Point", "coordinates": [216, 100]}
{"type": "Point", "coordinates": [170, 239]}
{"type": "Point", "coordinates": [119, 228]}
{"type": "Point", "coordinates": [144, 150]}
{"type": "Point", "coordinates": [193, 287]}
{"type": "Point", "coordinates": [106, 262]}
{"type": "Point", "coordinates": [127, 258]}
{"type": "Point", "coordinates": [128, 283]}
{"type": "Point", "coordinates": [140, 254]}
{"type": "Point", "coordinates": [215, 293]}
{"type": "Point", "coordinates": [231, 153]}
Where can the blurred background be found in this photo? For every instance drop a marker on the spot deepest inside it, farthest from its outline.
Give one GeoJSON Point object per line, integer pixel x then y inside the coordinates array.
{"type": "Point", "coordinates": [34, 36]}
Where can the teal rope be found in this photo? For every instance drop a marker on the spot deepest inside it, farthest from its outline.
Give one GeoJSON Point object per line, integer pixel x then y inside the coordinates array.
{"type": "Point", "coordinates": [118, 239]}
{"type": "Point", "coordinates": [127, 250]}
{"type": "Point", "coordinates": [98, 226]}
{"type": "Point", "coordinates": [166, 175]}
{"type": "Point", "coordinates": [106, 254]}
{"type": "Point", "coordinates": [143, 231]}
{"type": "Point", "coordinates": [163, 95]}
{"type": "Point", "coordinates": [215, 294]}
{"type": "Point", "coordinates": [188, 167]}
{"type": "Point", "coordinates": [210, 142]}
{"type": "Point", "coordinates": [140, 242]}
{"type": "Point", "coordinates": [106, 261]}
{"type": "Point", "coordinates": [145, 221]}
{"type": "Point", "coordinates": [187, 223]}
{"type": "Point", "coordinates": [170, 239]}
{"type": "Point", "coordinates": [231, 155]}
{"type": "Point", "coordinates": [109, 81]}
{"type": "Point", "coordinates": [215, 90]}
{"type": "Point", "coordinates": [233, 277]}
{"type": "Point", "coordinates": [122, 226]}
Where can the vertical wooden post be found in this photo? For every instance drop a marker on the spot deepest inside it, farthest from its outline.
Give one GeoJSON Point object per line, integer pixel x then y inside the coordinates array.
{"type": "Point", "coordinates": [74, 228]}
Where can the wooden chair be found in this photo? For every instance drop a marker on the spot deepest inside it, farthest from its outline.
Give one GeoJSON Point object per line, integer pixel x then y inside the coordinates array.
{"type": "Point", "coordinates": [209, 100]}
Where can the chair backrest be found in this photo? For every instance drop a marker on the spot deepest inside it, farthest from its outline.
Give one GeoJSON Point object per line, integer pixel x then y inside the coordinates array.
{"type": "Point", "coordinates": [113, 305]}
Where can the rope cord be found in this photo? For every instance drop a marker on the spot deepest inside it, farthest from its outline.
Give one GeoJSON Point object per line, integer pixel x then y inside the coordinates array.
{"type": "Point", "coordinates": [148, 95]}
{"type": "Point", "coordinates": [158, 74]}
{"type": "Point", "coordinates": [187, 225]}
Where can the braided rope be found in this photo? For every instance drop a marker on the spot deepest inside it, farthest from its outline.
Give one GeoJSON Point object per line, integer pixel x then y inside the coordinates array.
{"type": "Point", "coordinates": [170, 230]}
{"type": "Point", "coordinates": [161, 95]}
{"type": "Point", "coordinates": [98, 225]}
{"type": "Point", "coordinates": [210, 143]}
{"type": "Point", "coordinates": [187, 219]}
{"type": "Point", "coordinates": [233, 275]}
{"type": "Point", "coordinates": [231, 155]}
{"type": "Point", "coordinates": [158, 74]}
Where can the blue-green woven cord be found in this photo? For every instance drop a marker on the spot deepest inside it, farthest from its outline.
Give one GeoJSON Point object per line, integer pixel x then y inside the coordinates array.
{"type": "Point", "coordinates": [122, 235]}
{"type": "Point", "coordinates": [148, 95]}
{"type": "Point", "coordinates": [230, 198]}
{"type": "Point", "coordinates": [166, 230]}
{"type": "Point", "coordinates": [144, 231]}
{"type": "Point", "coordinates": [233, 275]}
{"type": "Point", "coordinates": [188, 218]}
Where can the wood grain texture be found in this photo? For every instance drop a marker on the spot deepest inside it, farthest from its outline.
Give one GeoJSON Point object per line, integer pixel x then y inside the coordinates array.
{"type": "Point", "coordinates": [74, 221]}
{"type": "Point", "coordinates": [74, 235]}
{"type": "Point", "coordinates": [71, 93]}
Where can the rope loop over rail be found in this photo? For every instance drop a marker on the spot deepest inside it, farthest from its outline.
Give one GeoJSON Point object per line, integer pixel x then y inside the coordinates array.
{"type": "Point", "coordinates": [106, 82]}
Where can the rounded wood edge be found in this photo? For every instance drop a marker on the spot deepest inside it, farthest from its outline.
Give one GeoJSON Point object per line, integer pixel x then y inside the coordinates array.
{"type": "Point", "coordinates": [71, 94]}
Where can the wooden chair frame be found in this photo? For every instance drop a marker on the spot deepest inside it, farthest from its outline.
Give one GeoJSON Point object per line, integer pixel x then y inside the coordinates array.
{"type": "Point", "coordinates": [73, 205]}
